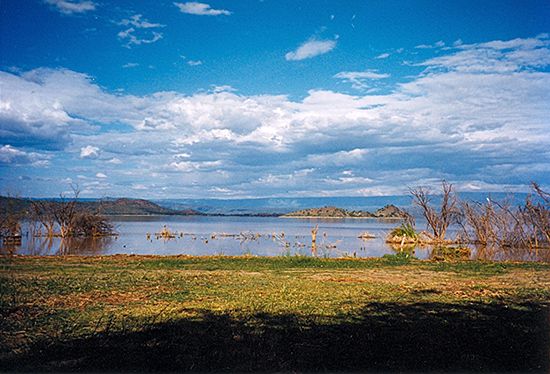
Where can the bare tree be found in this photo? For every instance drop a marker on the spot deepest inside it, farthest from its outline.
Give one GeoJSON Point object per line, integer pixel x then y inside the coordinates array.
{"type": "Point", "coordinates": [10, 219]}
{"type": "Point", "coordinates": [44, 213]}
{"type": "Point", "coordinates": [535, 217]}
{"type": "Point", "coordinates": [65, 213]}
{"type": "Point", "coordinates": [70, 218]}
{"type": "Point", "coordinates": [507, 227]}
{"type": "Point", "coordinates": [478, 221]}
{"type": "Point", "coordinates": [438, 221]}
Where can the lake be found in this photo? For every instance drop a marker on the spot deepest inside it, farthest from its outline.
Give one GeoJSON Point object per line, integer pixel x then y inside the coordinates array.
{"type": "Point", "coordinates": [234, 236]}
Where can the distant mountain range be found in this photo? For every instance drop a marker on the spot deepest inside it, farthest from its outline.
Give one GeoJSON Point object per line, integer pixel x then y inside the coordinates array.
{"type": "Point", "coordinates": [285, 205]}
{"type": "Point", "coordinates": [107, 206]}
{"type": "Point", "coordinates": [252, 207]}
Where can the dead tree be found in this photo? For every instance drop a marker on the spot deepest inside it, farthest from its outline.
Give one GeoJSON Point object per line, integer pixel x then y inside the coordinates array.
{"type": "Point", "coordinates": [535, 216]}
{"type": "Point", "coordinates": [10, 219]}
{"type": "Point", "coordinates": [44, 213]}
{"type": "Point", "coordinates": [438, 221]}
{"type": "Point", "coordinates": [65, 214]}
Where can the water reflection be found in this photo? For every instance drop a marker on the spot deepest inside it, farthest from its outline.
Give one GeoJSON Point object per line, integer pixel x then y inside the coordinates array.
{"type": "Point", "coordinates": [236, 236]}
{"type": "Point", "coordinates": [493, 253]}
{"type": "Point", "coordinates": [44, 246]}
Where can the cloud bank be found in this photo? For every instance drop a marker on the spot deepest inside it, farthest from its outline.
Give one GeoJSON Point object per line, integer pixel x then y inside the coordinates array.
{"type": "Point", "coordinates": [477, 116]}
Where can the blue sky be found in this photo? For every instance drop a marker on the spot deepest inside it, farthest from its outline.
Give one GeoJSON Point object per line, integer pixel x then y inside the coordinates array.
{"type": "Point", "coordinates": [272, 98]}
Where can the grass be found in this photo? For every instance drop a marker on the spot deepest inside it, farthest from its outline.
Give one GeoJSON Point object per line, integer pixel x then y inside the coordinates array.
{"type": "Point", "coordinates": [405, 230]}
{"type": "Point", "coordinates": [272, 314]}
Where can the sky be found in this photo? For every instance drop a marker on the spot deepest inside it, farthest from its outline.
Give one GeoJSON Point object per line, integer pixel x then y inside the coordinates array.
{"type": "Point", "coordinates": [272, 98]}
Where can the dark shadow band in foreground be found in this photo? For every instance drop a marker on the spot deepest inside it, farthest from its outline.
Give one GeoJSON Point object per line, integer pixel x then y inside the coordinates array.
{"type": "Point", "coordinates": [386, 336]}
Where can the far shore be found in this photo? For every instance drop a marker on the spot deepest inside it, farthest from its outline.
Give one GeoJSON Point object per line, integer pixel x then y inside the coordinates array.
{"type": "Point", "coordinates": [260, 215]}
{"type": "Point", "coordinates": [328, 217]}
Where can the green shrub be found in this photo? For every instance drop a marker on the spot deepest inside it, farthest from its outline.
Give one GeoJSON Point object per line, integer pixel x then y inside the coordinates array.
{"type": "Point", "coordinates": [406, 230]}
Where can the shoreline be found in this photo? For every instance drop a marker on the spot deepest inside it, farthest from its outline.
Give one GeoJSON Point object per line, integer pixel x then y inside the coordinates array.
{"type": "Point", "coordinates": [328, 217]}
{"type": "Point", "coordinates": [270, 259]}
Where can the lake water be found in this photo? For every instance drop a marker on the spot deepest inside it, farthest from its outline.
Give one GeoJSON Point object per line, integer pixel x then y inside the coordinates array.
{"type": "Point", "coordinates": [236, 236]}
{"type": "Point", "coordinates": [224, 235]}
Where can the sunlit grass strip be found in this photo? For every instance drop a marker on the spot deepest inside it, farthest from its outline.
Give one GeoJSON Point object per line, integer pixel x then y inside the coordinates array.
{"type": "Point", "coordinates": [55, 299]}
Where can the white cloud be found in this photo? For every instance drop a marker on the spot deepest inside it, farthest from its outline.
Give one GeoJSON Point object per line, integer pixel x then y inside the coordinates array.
{"type": "Point", "coordinates": [100, 175]}
{"type": "Point", "coordinates": [222, 88]}
{"type": "Point", "coordinates": [89, 152]}
{"type": "Point", "coordinates": [439, 44]}
{"type": "Point", "coordinates": [130, 65]}
{"type": "Point", "coordinates": [12, 156]}
{"type": "Point", "coordinates": [138, 31]}
{"type": "Point", "coordinates": [495, 56]}
{"type": "Point", "coordinates": [139, 187]}
{"type": "Point", "coordinates": [310, 49]}
{"type": "Point", "coordinates": [470, 126]}
{"type": "Point", "coordinates": [382, 56]}
{"type": "Point", "coordinates": [201, 9]}
{"type": "Point", "coordinates": [194, 62]}
{"type": "Point", "coordinates": [72, 6]}
{"type": "Point", "coordinates": [139, 23]}
{"type": "Point", "coordinates": [132, 39]}
{"type": "Point", "coordinates": [360, 79]}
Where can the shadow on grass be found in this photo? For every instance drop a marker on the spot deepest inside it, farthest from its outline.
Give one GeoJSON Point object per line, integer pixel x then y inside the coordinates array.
{"type": "Point", "coordinates": [386, 336]}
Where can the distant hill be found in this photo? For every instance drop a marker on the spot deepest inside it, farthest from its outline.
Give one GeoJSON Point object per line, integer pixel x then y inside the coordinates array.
{"type": "Point", "coordinates": [134, 207]}
{"type": "Point", "coordinates": [389, 211]}
{"type": "Point", "coordinates": [119, 207]}
{"type": "Point", "coordinates": [285, 205]}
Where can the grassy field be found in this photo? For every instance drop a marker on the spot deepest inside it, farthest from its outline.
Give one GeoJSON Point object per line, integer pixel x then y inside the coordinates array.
{"type": "Point", "coordinates": [272, 314]}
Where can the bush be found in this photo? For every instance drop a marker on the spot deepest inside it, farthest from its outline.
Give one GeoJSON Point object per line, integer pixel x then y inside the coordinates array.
{"type": "Point", "coordinates": [405, 230]}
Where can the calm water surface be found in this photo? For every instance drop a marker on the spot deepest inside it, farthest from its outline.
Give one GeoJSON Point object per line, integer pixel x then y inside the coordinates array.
{"type": "Point", "coordinates": [232, 236]}
{"type": "Point", "coordinates": [237, 236]}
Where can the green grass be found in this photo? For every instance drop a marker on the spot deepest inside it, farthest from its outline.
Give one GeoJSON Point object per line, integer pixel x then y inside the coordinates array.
{"type": "Point", "coordinates": [406, 230]}
{"type": "Point", "coordinates": [251, 313]}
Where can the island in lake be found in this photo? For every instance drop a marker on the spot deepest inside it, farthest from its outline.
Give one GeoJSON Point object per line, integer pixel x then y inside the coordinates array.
{"type": "Point", "coordinates": [387, 212]}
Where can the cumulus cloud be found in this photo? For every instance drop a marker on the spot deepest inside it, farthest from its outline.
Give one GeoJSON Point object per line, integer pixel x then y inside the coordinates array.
{"type": "Point", "coordinates": [310, 49]}
{"type": "Point", "coordinates": [32, 112]}
{"type": "Point", "coordinates": [201, 9]}
{"type": "Point", "coordinates": [483, 127]}
{"type": "Point", "coordinates": [72, 6]}
{"type": "Point", "coordinates": [194, 62]}
{"type": "Point", "coordinates": [89, 152]}
{"type": "Point", "coordinates": [382, 56]}
{"type": "Point", "coordinates": [12, 156]}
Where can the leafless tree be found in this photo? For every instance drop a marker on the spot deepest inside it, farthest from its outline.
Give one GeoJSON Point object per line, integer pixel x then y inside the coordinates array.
{"type": "Point", "coordinates": [502, 225]}
{"type": "Point", "coordinates": [70, 218]}
{"type": "Point", "coordinates": [44, 213]}
{"type": "Point", "coordinates": [10, 219]}
{"type": "Point", "coordinates": [438, 221]}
